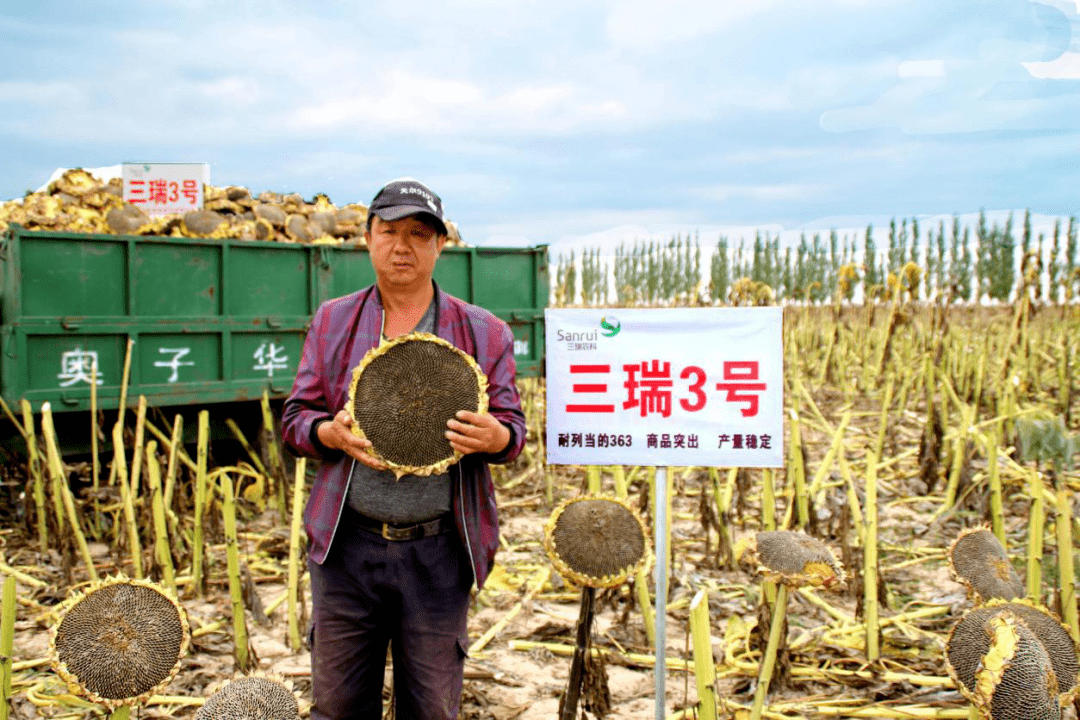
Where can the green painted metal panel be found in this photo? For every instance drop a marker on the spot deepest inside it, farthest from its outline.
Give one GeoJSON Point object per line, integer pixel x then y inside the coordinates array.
{"type": "Point", "coordinates": [349, 270]}
{"type": "Point", "coordinates": [63, 362]}
{"type": "Point", "coordinates": [179, 358]}
{"type": "Point", "coordinates": [212, 321]}
{"type": "Point", "coordinates": [528, 329]}
{"type": "Point", "coordinates": [172, 279]}
{"type": "Point", "coordinates": [268, 279]}
{"type": "Point", "coordinates": [453, 273]}
{"type": "Point", "coordinates": [270, 357]}
{"type": "Point", "coordinates": [524, 343]}
{"type": "Point", "coordinates": [72, 277]}
{"type": "Point", "coordinates": [505, 280]}
{"type": "Point", "coordinates": [206, 395]}
{"type": "Point", "coordinates": [543, 281]}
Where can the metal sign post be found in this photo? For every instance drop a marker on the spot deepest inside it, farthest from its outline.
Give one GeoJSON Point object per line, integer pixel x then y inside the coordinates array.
{"type": "Point", "coordinates": [660, 616]}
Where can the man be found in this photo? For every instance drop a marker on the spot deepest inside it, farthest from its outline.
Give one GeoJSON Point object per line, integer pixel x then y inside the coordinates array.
{"type": "Point", "coordinates": [393, 561]}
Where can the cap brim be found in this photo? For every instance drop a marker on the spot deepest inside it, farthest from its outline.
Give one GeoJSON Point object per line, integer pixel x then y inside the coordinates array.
{"type": "Point", "coordinates": [397, 212]}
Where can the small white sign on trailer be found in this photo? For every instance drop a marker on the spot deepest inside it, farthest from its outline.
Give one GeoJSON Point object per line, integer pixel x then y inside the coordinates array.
{"type": "Point", "coordinates": [165, 188]}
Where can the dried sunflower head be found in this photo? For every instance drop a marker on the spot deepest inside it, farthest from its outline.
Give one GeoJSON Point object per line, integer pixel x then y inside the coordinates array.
{"type": "Point", "coordinates": [1013, 679]}
{"type": "Point", "coordinates": [119, 641]}
{"type": "Point", "coordinates": [971, 638]}
{"type": "Point", "coordinates": [796, 559]}
{"type": "Point", "coordinates": [596, 540]}
{"type": "Point", "coordinates": [979, 562]}
{"type": "Point", "coordinates": [403, 392]}
{"type": "Point", "coordinates": [1017, 680]}
{"type": "Point", "coordinates": [77, 182]}
{"type": "Point", "coordinates": [255, 697]}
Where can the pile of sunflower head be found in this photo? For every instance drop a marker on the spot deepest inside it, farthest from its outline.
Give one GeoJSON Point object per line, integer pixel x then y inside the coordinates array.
{"type": "Point", "coordinates": [78, 202]}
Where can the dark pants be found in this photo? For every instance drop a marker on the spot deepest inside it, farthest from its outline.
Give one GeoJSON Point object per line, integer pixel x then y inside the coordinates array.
{"type": "Point", "coordinates": [412, 594]}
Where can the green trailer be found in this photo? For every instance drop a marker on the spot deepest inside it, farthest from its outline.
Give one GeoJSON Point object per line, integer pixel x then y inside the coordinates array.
{"type": "Point", "coordinates": [210, 321]}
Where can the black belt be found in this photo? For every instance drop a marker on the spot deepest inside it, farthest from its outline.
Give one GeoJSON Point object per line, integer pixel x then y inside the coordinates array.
{"type": "Point", "coordinates": [397, 532]}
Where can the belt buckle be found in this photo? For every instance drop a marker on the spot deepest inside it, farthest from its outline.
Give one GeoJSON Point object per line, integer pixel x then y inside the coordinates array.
{"type": "Point", "coordinates": [393, 534]}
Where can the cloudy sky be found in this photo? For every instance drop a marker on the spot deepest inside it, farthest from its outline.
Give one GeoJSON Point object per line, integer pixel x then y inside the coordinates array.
{"type": "Point", "coordinates": [537, 121]}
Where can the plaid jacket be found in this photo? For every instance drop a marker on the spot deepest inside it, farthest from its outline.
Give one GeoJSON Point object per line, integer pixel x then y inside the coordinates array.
{"type": "Point", "coordinates": [341, 332]}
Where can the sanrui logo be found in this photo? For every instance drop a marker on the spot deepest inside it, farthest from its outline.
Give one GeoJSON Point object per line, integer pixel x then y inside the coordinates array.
{"type": "Point", "coordinates": [611, 326]}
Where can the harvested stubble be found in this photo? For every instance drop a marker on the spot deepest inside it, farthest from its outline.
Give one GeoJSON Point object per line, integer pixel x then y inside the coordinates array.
{"type": "Point", "coordinates": [7, 639]}
{"type": "Point", "coordinates": [830, 657]}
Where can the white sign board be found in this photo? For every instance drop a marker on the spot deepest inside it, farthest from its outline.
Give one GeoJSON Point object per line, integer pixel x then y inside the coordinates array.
{"type": "Point", "coordinates": [678, 386]}
{"type": "Point", "coordinates": [165, 188]}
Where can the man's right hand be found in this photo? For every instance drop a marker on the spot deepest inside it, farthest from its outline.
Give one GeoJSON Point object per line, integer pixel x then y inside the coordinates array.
{"type": "Point", "coordinates": [337, 434]}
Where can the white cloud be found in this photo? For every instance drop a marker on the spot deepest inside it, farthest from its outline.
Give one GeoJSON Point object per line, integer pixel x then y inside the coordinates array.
{"type": "Point", "coordinates": [481, 189]}
{"type": "Point", "coordinates": [760, 193]}
{"type": "Point", "coordinates": [48, 94]}
{"type": "Point", "coordinates": [1064, 67]}
{"type": "Point", "coordinates": [403, 101]}
{"type": "Point", "coordinates": [767, 155]}
{"type": "Point", "coordinates": [406, 102]}
{"type": "Point", "coordinates": [644, 24]}
{"type": "Point", "coordinates": [234, 89]}
{"type": "Point", "coordinates": [289, 73]}
{"type": "Point", "coordinates": [748, 96]}
{"type": "Point", "coordinates": [647, 26]}
{"type": "Point", "coordinates": [531, 106]}
{"type": "Point", "coordinates": [1066, 6]}
{"type": "Point", "coordinates": [992, 83]}
{"type": "Point", "coordinates": [595, 226]}
{"type": "Point", "coordinates": [921, 106]}
{"type": "Point", "coordinates": [921, 69]}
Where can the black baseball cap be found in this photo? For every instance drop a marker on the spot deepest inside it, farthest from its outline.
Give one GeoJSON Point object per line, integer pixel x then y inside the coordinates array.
{"type": "Point", "coordinates": [405, 197]}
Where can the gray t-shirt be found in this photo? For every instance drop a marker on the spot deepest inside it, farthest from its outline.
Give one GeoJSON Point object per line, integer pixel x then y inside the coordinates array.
{"type": "Point", "coordinates": [412, 499]}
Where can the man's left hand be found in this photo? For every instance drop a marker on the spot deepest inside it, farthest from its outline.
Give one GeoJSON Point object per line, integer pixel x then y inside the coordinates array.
{"type": "Point", "coordinates": [477, 433]}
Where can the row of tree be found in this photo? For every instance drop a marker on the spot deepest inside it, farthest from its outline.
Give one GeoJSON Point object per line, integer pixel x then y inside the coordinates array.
{"type": "Point", "coordinates": [950, 262]}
